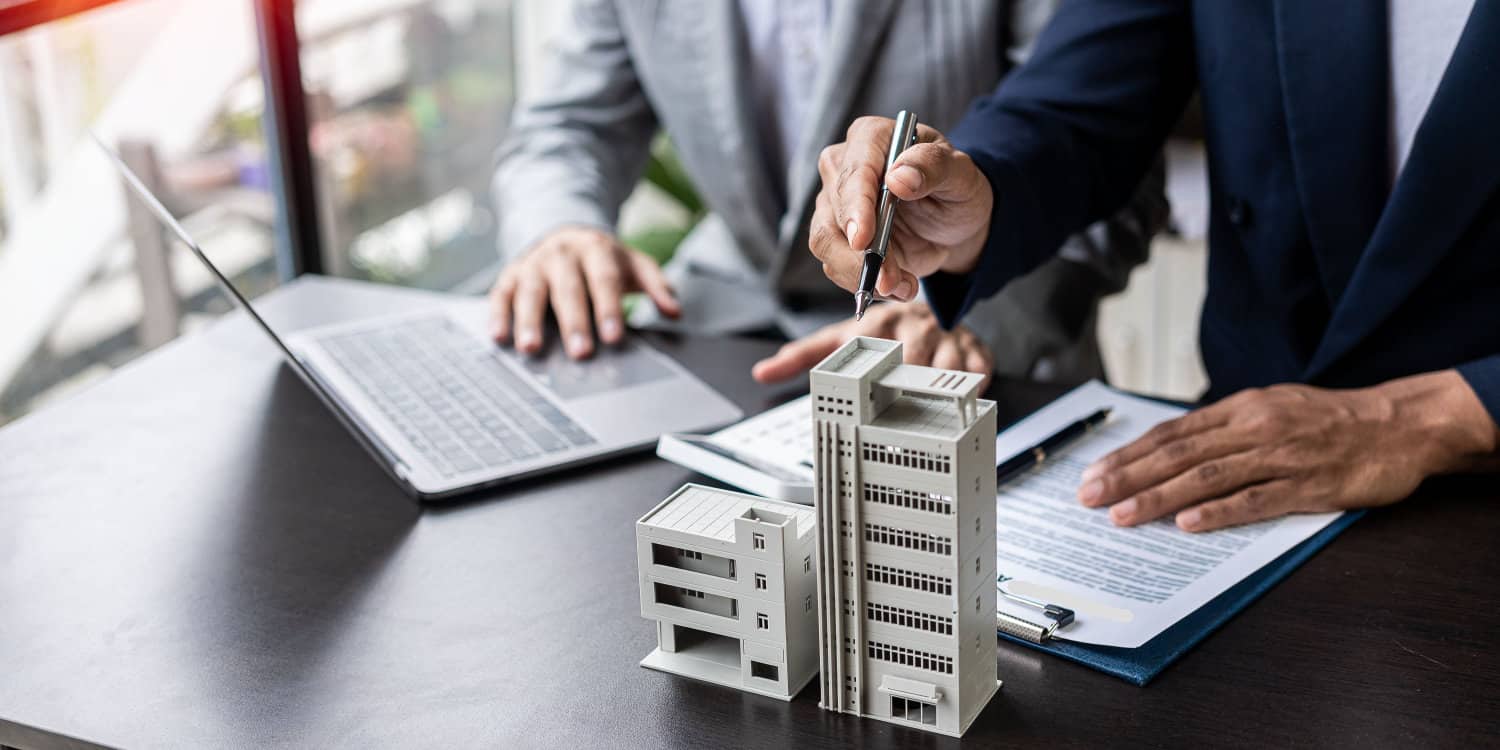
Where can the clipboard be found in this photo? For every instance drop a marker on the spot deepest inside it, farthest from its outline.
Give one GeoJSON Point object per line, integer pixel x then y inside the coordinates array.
{"type": "Point", "coordinates": [1139, 666]}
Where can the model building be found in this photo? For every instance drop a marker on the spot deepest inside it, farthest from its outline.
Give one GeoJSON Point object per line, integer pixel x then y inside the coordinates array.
{"type": "Point", "coordinates": [905, 497]}
{"type": "Point", "coordinates": [729, 580]}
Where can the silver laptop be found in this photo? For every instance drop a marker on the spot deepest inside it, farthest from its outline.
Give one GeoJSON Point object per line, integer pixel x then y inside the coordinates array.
{"type": "Point", "coordinates": [446, 411]}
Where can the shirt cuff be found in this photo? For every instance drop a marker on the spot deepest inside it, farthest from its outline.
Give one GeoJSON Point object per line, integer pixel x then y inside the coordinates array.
{"type": "Point", "coordinates": [1483, 375]}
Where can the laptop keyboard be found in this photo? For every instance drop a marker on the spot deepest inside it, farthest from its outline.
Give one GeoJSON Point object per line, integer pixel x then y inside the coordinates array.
{"type": "Point", "coordinates": [452, 397]}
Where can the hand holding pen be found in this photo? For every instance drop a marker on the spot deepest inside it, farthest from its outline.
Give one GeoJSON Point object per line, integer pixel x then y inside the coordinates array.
{"type": "Point", "coordinates": [903, 136]}
{"type": "Point", "coordinates": [944, 218]}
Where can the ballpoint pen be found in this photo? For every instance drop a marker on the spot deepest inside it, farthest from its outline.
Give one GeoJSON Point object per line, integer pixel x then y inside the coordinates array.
{"type": "Point", "coordinates": [1036, 454]}
{"type": "Point", "coordinates": [902, 137]}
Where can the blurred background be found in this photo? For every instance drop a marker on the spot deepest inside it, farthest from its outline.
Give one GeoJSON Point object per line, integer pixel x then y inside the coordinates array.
{"type": "Point", "coordinates": [361, 147]}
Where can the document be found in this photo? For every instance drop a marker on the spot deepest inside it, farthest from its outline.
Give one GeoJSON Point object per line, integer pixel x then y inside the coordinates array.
{"type": "Point", "coordinates": [1126, 585]}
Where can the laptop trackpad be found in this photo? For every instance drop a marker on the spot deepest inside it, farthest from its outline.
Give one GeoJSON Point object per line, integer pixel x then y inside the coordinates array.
{"type": "Point", "coordinates": [610, 369]}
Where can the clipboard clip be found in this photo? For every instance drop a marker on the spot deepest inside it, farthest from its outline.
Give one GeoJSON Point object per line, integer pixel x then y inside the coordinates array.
{"type": "Point", "coordinates": [1058, 617]}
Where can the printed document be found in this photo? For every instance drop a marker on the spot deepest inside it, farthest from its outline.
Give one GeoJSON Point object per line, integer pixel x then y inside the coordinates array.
{"type": "Point", "coordinates": [1126, 584]}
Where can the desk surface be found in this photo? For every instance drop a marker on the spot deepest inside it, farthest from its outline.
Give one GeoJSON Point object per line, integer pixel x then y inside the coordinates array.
{"type": "Point", "coordinates": [193, 553]}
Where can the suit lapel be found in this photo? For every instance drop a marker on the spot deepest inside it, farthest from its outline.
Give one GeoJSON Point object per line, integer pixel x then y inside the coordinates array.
{"type": "Point", "coordinates": [1334, 77]}
{"type": "Point", "coordinates": [721, 68]}
{"type": "Point", "coordinates": [855, 31]}
{"type": "Point", "coordinates": [1452, 170]}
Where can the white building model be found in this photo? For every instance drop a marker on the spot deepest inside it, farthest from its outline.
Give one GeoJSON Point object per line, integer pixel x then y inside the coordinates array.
{"type": "Point", "coordinates": [905, 497]}
{"type": "Point", "coordinates": [729, 580]}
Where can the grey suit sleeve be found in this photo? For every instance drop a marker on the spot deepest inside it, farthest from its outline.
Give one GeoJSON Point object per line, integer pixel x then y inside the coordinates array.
{"type": "Point", "coordinates": [1061, 298]}
{"type": "Point", "coordinates": [577, 144]}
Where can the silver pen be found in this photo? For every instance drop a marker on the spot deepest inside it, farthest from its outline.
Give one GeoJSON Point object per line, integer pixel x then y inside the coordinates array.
{"type": "Point", "coordinates": [902, 137]}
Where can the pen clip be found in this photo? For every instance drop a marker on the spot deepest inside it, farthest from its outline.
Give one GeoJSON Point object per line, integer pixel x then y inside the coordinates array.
{"type": "Point", "coordinates": [1060, 616]}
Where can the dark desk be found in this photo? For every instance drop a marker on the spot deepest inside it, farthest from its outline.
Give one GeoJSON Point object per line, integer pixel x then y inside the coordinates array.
{"type": "Point", "coordinates": [194, 554]}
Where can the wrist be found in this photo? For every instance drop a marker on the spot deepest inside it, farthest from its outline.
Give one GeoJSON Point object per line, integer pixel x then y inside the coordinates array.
{"type": "Point", "coordinates": [1441, 419]}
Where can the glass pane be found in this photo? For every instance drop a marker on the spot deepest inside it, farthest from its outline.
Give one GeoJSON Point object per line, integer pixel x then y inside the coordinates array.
{"type": "Point", "coordinates": [407, 102]}
{"type": "Point", "coordinates": [85, 284]}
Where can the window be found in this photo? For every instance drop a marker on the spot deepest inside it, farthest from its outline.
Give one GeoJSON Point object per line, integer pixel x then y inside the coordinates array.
{"type": "Point", "coordinates": [807, 564]}
{"type": "Point", "coordinates": [908, 709]}
{"type": "Point", "coordinates": [913, 540]}
{"type": "Point", "coordinates": [908, 579]}
{"type": "Point", "coordinates": [807, 603]}
{"type": "Point", "coordinates": [758, 540]}
{"type": "Point", "coordinates": [909, 618]}
{"type": "Point", "coordinates": [760, 581]}
{"type": "Point", "coordinates": [905, 457]}
{"type": "Point", "coordinates": [930, 502]}
{"type": "Point", "coordinates": [976, 566]}
{"type": "Point", "coordinates": [765, 671]}
{"type": "Point", "coordinates": [91, 279]}
{"type": "Point", "coordinates": [762, 622]}
{"type": "Point", "coordinates": [909, 657]}
{"type": "Point", "coordinates": [406, 103]}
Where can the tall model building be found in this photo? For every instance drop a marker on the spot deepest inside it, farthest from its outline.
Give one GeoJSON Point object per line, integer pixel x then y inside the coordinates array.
{"type": "Point", "coordinates": [905, 497]}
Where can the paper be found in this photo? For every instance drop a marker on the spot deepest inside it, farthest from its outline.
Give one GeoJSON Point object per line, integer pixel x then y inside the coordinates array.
{"type": "Point", "coordinates": [1126, 584]}
{"type": "Point", "coordinates": [781, 437]}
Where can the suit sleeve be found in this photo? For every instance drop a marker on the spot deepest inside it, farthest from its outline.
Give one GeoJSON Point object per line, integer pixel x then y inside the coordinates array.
{"type": "Point", "coordinates": [1483, 375]}
{"type": "Point", "coordinates": [1067, 138]}
{"type": "Point", "coordinates": [578, 143]}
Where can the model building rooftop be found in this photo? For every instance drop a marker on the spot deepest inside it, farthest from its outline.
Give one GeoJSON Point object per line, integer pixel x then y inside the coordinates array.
{"type": "Point", "coordinates": [710, 512]}
{"type": "Point", "coordinates": [896, 396]}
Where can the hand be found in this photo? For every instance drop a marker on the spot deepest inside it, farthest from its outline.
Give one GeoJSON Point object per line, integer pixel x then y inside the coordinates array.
{"type": "Point", "coordinates": [923, 341]}
{"type": "Point", "coordinates": [941, 225]}
{"type": "Point", "coordinates": [1268, 452]}
{"type": "Point", "coordinates": [576, 269]}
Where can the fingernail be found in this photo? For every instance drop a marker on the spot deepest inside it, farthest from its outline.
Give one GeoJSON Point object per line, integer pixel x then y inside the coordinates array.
{"type": "Point", "coordinates": [1091, 492]}
{"type": "Point", "coordinates": [909, 175]}
{"type": "Point", "coordinates": [578, 344]}
{"type": "Point", "coordinates": [1123, 511]}
{"type": "Point", "coordinates": [526, 340]}
{"type": "Point", "coordinates": [1190, 518]}
{"type": "Point", "coordinates": [903, 290]}
{"type": "Point", "coordinates": [609, 329]}
{"type": "Point", "coordinates": [496, 333]}
{"type": "Point", "coordinates": [849, 231]}
{"type": "Point", "coordinates": [1093, 471]}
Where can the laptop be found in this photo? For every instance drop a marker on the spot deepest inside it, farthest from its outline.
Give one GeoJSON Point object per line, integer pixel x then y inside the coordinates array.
{"type": "Point", "coordinates": [445, 411]}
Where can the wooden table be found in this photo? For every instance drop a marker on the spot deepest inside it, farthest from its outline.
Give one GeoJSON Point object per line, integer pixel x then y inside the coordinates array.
{"type": "Point", "coordinates": [194, 554]}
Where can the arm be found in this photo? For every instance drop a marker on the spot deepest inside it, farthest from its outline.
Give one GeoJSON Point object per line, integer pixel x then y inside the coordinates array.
{"type": "Point", "coordinates": [1065, 141]}
{"type": "Point", "coordinates": [578, 144]}
{"type": "Point", "coordinates": [576, 148]}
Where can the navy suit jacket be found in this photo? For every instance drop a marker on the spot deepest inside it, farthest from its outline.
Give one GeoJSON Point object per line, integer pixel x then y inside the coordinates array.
{"type": "Point", "coordinates": [1319, 270]}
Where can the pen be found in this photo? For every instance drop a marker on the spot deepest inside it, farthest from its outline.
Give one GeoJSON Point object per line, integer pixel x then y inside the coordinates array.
{"type": "Point", "coordinates": [902, 137]}
{"type": "Point", "coordinates": [1038, 453]}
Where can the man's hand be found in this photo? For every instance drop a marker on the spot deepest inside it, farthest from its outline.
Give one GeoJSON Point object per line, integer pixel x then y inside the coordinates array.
{"type": "Point", "coordinates": [1293, 449]}
{"type": "Point", "coordinates": [942, 224]}
{"type": "Point", "coordinates": [577, 270]}
{"type": "Point", "coordinates": [923, 343]}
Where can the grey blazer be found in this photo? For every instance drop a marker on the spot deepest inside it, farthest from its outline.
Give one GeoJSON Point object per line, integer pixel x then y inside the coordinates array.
{"type": "Point", "coordinates": [625, 68]}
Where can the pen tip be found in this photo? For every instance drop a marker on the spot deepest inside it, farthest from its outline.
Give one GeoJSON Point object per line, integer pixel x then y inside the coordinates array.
{"type": "Point", "coordinates": [861, 303]}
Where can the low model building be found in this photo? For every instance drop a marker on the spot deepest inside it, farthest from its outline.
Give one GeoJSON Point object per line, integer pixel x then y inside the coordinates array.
{"type": "Point", "coordinates": [905, 497]}
{"type": "Point", "coordinates": [729, 580]}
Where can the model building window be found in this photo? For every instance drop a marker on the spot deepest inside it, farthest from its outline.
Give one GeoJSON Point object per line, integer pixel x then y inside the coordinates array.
{"type": "Point", "coordinates": [758, 540]}
{"type": "Point", "coordinates": [913, 710]}
{"type": "Point", "coordinates": [760, 581]}
{"type": "Point", "coordinates": [762, 621]}
{"type": "Point", "coordinates": [765, 671]}
{"type": "Point", "coordinates": [807, 564]}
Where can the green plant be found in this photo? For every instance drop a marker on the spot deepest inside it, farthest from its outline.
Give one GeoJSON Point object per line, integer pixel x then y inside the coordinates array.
{"type": "Point", "coordinates": [664, 171]}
